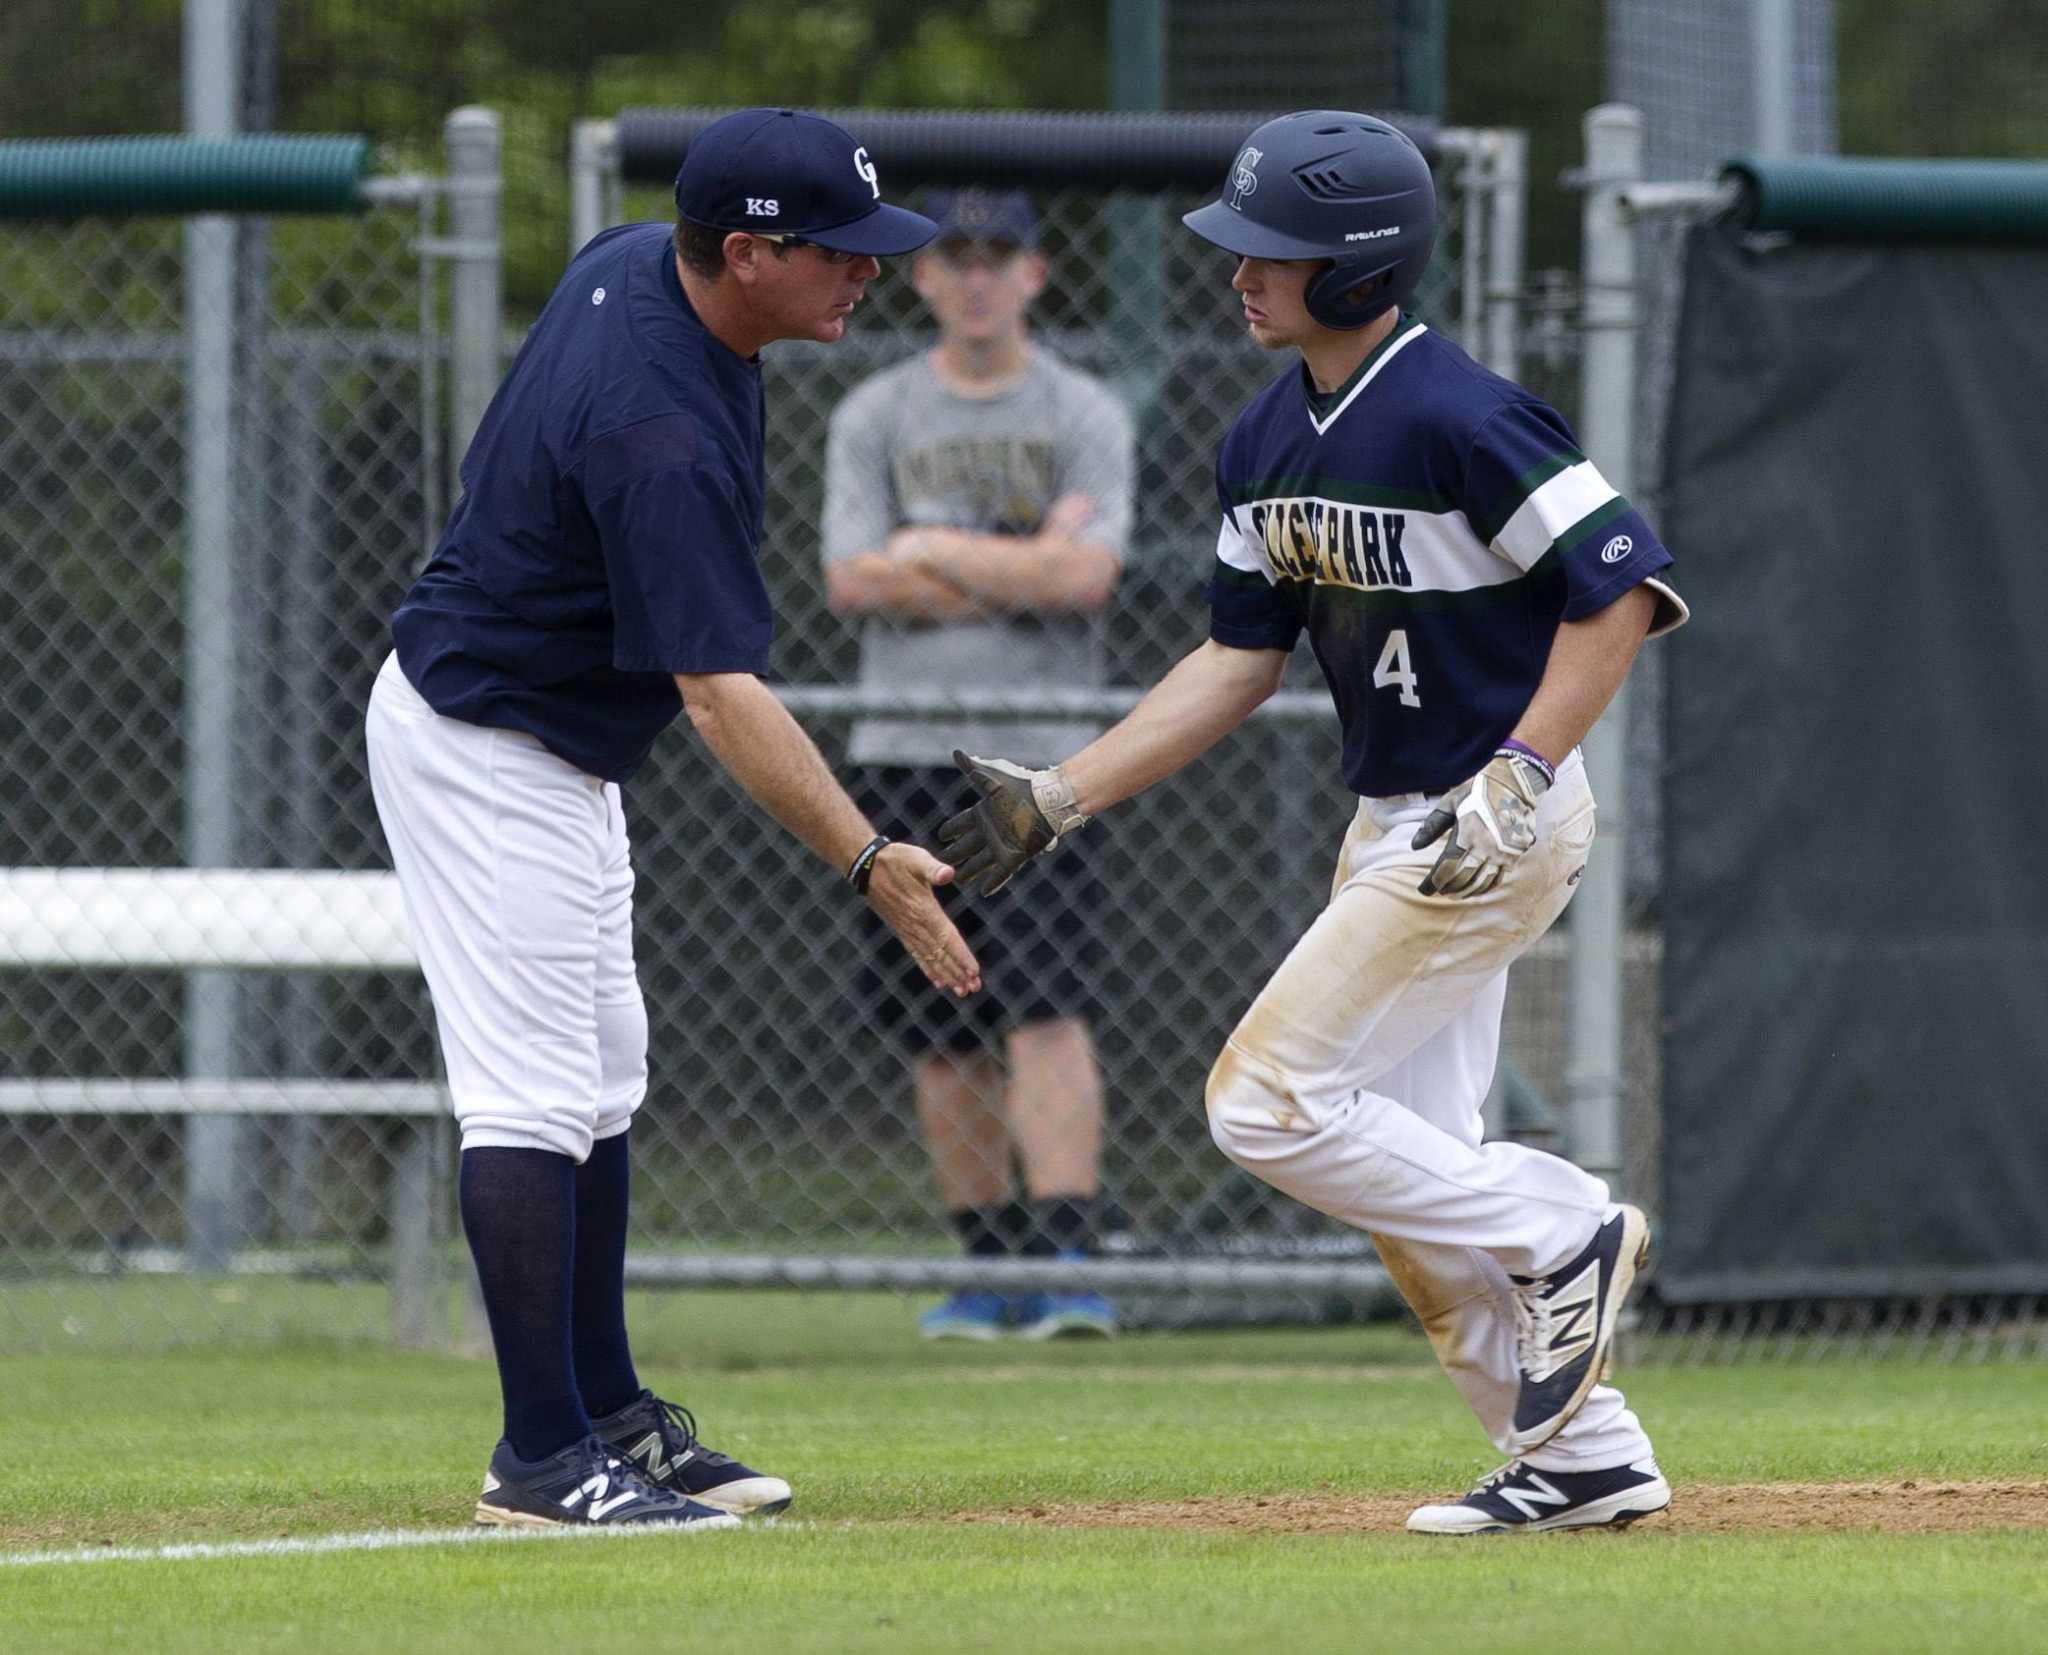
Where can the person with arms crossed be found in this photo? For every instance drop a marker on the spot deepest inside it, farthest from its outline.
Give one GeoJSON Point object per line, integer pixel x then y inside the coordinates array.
{"type": "Point", "coordinates": [977, 500]}
{"type": "Point", "coordinates": [598, 576]}
{"type": "Point", "coordinates": [1475, 593]}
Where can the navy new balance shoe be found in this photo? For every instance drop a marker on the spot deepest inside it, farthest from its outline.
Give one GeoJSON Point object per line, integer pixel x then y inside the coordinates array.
{"type": "Point", "coordinates": [661, 1439]}
{"type": "Point", "coordinates": [1520, 1499]}
{"type": "Point", "coordinates": [1565, 1327]}
{"type": "Point", "coordinates": [586, 1483]}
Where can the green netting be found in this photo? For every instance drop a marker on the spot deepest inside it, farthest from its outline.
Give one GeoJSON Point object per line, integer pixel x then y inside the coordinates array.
{"type": "Point", "coordinates": [1867, 200]}
{"type": "Point", "coordinates": [109, 177]}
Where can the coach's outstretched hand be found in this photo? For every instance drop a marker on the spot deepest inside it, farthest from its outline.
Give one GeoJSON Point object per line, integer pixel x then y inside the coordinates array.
{"type": "Point", "coordinates": [900, 890]}
{"type": "Point", "coordinates": [1013, 821]}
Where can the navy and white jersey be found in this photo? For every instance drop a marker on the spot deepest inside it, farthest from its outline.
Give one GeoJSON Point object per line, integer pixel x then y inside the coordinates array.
{"type": "Point", "coordinates": [609, 528]}
{"type": "Point", "coordinates": [1428, 524]}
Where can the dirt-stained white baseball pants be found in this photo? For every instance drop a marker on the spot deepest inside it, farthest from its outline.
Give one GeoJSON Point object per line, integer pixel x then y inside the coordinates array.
{"type": "Point", "coordinates": [519, 892]}
{"type": "Point", "coordinates": [1355, 1083]}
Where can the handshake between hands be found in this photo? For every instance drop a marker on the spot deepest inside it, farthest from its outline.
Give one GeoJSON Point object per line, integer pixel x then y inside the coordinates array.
{"type": "Point", "coordinates": [1019, 813]}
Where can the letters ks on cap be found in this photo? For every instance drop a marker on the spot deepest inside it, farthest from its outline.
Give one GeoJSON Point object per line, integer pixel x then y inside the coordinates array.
{"type": "Point", "coordinates": [782, 172]}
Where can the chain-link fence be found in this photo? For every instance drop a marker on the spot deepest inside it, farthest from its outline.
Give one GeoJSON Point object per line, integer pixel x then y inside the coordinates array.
{"type": "Point", "coordinates": [221, 452]}
{"type": "Point", "coordinates": [283, 1166]}
{"type": "Point", "coordinates": [779, 1125]}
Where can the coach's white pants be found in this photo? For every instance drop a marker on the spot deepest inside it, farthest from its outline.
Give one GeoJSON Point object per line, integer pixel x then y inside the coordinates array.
{"type": "Point", "coordinates": [519, 891]}
{"type": "Point", "coordinates": [1355, 1082]}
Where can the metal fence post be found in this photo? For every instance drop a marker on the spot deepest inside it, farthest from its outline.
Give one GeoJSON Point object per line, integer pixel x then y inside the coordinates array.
{"type": "Point", "coordinates": [1593, 1065]}
{"type": "Point", "coordinates": [418, 1316]}
{"type": "Point", "coordinates": [1774, 72]}
{"type": "Point", "coordinates": [471, 138]}
{"type": "Point", "coordinates": [476, 324]}
{"type": "Point", "coordinates": [1137, 71]}
{"type": "Point", "coordinates": [593, 159]}
{"type": "Point", "coordinates": [1506, 233]}
{"type": "Point", "coordinates": [216, 1180]}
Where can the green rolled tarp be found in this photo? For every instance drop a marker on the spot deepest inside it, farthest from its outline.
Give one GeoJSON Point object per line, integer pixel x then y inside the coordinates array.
{"type": "Point", "coordinates": [1908, 201]}
{"type": "Point", "coordinates": [175, 174]}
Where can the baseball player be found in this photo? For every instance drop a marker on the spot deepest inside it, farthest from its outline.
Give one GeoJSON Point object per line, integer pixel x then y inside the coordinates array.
{"type": "Point", "coordinates": [977, 498]}
{"type": "Point", "coordinates": [1474, 592]}
{"type": "Point", "coordinates": [598, 576]}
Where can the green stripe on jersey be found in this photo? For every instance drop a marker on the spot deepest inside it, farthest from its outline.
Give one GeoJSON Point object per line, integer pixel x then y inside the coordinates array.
{"type": "Point", "coordinates": [1525, 485]}
{"type": "Point", "coordinates": [1341, 490]}
{"type": "Point", "coordinates": [1591, 523]}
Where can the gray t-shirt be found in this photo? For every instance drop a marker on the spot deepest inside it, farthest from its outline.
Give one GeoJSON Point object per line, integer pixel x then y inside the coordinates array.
{"type": "Point", "coordinates": [904, 451]}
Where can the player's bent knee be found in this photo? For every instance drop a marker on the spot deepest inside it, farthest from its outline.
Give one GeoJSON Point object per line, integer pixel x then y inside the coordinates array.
{"type": "Point", "coordinates": [1249, 1102]}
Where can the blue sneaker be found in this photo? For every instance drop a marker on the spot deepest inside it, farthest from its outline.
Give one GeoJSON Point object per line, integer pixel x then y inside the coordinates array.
{"type": "Point", "coordinates": [586, 1483]}
{"type": "Point", "coordinates": [1051, 1315]}
{"type": "Point", "coordinates": [1565, 1327]}
{"type": "Point", "coordinates": [967, 1315]}
{"type": "Point", "coordinates": [661, 1439]}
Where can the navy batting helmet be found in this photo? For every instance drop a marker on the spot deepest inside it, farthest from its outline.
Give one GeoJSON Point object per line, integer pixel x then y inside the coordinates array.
{"type": "Point", "coordinates": [1327, 184]}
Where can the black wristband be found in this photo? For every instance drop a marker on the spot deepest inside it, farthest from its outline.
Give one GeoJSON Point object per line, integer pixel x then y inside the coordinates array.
{"type": "Point", "coordinates": [863, 868]}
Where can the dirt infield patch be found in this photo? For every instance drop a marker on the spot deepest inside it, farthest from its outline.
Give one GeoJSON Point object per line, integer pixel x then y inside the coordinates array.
{"type": "Point", "coordinates": [1708, 1508]}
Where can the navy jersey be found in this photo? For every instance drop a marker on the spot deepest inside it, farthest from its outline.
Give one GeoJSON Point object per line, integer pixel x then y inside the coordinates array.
{"type": "Point", "coordinates": [609, 528]}
{"type": "Point", "coordinates": [1429, 525]}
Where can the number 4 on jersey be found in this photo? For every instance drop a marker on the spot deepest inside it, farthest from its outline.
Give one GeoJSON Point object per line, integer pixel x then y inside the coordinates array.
{"type": "Point", "coordinates": [1394, 669]}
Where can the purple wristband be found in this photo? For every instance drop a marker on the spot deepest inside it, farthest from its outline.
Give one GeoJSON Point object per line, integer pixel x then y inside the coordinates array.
{"type": "Point", "coordinates": [1524, 750]}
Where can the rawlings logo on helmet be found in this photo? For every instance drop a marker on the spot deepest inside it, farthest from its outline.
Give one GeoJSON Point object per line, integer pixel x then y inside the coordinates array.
{"type": "Point", "coordinates": [1243, 180]}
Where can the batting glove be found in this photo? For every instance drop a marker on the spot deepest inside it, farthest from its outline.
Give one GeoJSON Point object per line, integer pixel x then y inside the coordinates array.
{"type": "Point", "coordinates": [1020, 814]}
{"type": "Point", "coordinates": [1490, 820]}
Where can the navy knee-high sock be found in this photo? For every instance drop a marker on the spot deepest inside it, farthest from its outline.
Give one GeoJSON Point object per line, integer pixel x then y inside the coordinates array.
{"type": "Point", "coordinates": [519, 1212]}
{"type": "Point", "coordinates": [604, 1360]}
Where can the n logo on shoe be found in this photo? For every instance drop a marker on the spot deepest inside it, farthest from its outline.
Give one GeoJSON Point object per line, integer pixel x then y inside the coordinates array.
{"type": "Point", "coordinates": [597, 1487]}
{"type": "Point", "coordinates": [648, 1449]}
{"type": "Point", "coordinates": [1572, 1320]}
{"type": "Point", "coordinates": [1530, 1499]}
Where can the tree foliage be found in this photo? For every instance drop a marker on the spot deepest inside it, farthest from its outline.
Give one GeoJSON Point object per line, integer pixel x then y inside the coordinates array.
{"type": "Point", "coordinates": [1913, 77]}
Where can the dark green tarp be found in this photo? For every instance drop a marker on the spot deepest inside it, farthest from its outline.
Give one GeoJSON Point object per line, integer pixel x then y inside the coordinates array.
{"type": "Point", "coordinates": [1855, 1074]}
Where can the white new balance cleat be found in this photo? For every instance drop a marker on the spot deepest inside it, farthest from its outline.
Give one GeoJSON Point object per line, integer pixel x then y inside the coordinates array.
{"type": "Point", "coordinates": [1518, 1499]}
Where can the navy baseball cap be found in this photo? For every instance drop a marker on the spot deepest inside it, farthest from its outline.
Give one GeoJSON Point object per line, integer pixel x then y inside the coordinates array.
{"type": "Point", "coordinates": [984, 215]}
{"type": "Point", "coordinates": [779, 172]}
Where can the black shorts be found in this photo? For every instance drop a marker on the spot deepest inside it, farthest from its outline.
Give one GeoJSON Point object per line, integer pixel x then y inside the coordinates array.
{"type": "Point", "coordinates": [1036, 938]}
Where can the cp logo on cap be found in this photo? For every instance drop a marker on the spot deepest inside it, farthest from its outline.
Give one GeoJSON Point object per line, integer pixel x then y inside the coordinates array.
{"type": "Point", "coordinates": [1244, 180]}
{"type": "Point", "coordinates": [866, 168]}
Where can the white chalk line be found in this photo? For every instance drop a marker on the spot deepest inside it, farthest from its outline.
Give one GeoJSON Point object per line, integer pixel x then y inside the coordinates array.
{"type": "Point", "coordinates": [375, 1540]}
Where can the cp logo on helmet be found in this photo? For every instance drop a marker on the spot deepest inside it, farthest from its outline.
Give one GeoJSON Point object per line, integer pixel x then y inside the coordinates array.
{"type": "Point", "coordinates": [1244, 180]}
{"type": "Point", "coordinates": [1347, 188]}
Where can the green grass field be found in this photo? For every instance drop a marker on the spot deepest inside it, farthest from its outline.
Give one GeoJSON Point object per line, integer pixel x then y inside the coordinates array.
{"type": "Point", "coordinates": [1069, 1497]}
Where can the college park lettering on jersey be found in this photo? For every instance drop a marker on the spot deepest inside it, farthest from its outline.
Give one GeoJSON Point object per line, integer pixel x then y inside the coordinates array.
{"type": "Point", "coordinates": [1332, 545]}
